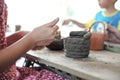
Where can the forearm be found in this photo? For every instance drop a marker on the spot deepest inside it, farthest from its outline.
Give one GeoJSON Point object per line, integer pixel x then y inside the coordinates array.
{"type": "Point", "coordinates": [78, 23]}
{"type": "Point", "coordinates": [9, 55]}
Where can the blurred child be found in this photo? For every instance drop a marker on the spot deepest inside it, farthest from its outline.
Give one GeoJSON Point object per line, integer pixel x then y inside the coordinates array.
{"type": "Point", "coordinates": [109, 15]}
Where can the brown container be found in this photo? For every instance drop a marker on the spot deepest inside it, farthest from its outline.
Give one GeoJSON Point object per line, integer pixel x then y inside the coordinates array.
{"type": "Point", "coordinates": [97, 38]}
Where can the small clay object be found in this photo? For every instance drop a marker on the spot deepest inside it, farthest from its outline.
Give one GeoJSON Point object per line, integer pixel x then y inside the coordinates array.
{"type": "Point", "coordinates": [58, 35]}
{"type": "Point", "coordinates": [17, 27]}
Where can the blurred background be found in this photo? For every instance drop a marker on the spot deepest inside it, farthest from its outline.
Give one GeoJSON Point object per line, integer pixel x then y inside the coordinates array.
{"type": "Point", "coordinates": [32, 13]}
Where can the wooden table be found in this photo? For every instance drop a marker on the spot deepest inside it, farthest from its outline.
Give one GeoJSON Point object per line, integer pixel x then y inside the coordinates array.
{"type": "Point", "coordinates": [100, 65]}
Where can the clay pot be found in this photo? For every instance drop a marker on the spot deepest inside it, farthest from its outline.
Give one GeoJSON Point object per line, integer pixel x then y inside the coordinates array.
{"type": "Point", "coordinates": [57, 44]}
{"type": "Point", "coordinates": [77, 45]}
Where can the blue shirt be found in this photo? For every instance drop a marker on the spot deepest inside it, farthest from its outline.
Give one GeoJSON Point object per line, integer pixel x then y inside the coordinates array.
{"type": "Point", "coordinates": [113, 19]}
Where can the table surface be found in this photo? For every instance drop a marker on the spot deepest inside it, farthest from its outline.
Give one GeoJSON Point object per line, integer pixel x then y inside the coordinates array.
{"type": "Point", "coordinates": [100, 65]}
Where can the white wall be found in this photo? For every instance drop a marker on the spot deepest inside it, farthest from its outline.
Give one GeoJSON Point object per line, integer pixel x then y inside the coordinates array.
{"type": "Point", "coordinates": [31, 13]}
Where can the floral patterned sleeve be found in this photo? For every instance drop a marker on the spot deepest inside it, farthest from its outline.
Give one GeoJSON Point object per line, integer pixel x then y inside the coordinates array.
{"type": "Point", "coordinates": [3, 19]}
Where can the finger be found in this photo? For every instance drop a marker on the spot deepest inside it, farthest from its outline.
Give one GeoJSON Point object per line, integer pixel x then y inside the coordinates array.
{"type": "Point", "coordinates": [52, 23]}
{"type": "Point", "coordinates": [55, 28]}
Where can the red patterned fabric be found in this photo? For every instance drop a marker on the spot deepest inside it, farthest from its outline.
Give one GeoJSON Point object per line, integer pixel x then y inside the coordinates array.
{"type": "Point", "coordinates": [3, 43]}
{"type": "Point", "coordinates": [3, 21]}
{"type": "Point", "coordinates": [17, 73]}
{"type": "Point", "coordinates": [37, 74]}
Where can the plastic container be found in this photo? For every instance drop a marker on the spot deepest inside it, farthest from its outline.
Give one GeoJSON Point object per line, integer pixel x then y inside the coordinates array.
{"type": "Point", "coordinates": [97, 37]}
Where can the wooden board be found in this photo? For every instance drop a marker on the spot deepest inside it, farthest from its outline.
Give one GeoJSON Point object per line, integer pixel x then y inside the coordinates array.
{"type": "Point", "coordinates": [100, 65]}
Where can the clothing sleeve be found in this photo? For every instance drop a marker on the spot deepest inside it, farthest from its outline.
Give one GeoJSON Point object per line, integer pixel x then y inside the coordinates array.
{"type": "Point", "coordinates": [88, 23]}
{"type": "Point", "coordinates": [3, 42]}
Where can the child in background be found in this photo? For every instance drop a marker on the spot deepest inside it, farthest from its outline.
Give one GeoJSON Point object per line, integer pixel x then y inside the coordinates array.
{"type": "Point", "coordinates": [16, 45]}
{"type": "Point", "coordinates": [109, 15]}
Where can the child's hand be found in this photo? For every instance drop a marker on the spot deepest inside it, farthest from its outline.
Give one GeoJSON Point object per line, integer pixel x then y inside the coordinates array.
{"type": "Point", "coordinates": [66, 22]}
{"type": "Point", "coordinates": [87, 29]}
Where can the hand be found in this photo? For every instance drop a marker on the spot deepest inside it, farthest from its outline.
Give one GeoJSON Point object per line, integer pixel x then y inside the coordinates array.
{"type": "Point", "coordinates": [38, 47]}
{"type": "Point", "coordinates": [112, 34]}
{"type": "Point", "coordinates": [87, 29]}
{"type": "Point", "coordinates": [111, 29]}
{"type": "Point", "coordinates": [112, 38]}
{"type": "Point", "coordinates": [66, 22]}
{"type": "Point", "coordinates": [44, 35]}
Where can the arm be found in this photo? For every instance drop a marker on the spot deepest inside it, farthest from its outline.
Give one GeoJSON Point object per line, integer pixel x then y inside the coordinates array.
{"type": "Point", "coordinates": [9, 55]}
{"type": "Point", "coordinates": [78, 23]}
{"type": "Point", "coordinates": [15, 37]}
{"type": "Point", "coordinates": [18, 35]}
{"type": "Point", "coordinates": [114, 31]}
{"type": "Point", "coordinates": [65, 22]}
{"type": "Point", "coordinates": [113, 34]}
